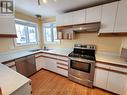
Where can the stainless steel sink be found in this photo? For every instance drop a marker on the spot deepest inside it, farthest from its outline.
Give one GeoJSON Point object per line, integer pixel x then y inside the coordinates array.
{"type": "Point", "coordinates": [34, 50]}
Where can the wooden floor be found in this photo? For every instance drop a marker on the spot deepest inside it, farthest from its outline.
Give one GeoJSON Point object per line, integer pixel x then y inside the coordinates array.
{"type": "Point", "coordinates": [48, 83]}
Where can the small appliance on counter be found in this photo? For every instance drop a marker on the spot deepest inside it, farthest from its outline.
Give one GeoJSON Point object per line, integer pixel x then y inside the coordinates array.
{"type": "Point", "coordinates": [82, 64]}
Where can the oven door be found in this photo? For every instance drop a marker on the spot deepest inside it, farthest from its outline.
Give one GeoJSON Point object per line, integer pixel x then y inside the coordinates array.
{"type": "Point", "coordinates": [80, 66]}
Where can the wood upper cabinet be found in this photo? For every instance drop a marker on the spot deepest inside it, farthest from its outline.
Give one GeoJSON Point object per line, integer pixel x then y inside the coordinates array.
{"type": "Point", "coordinates": [93, 14]}
{"type": "Point", "coordinates": [7, 26]}
{"type": "Point", "coordinates": [116, 82]}
{"type": "Point", "coordinates": [109, 12]}
{"type": "Point", "coordinates": [79, 17]}
{"type": "Point", "coordinates": [121, 18]}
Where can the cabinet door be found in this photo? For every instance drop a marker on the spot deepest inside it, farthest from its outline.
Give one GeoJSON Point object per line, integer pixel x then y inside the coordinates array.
{"type": "Point", "coordinates": [125, 89]}
{"type": "Point", "coordinates": [109, 12]}
{"type": "Point", "coordinates": [116, 82]}
{"type": "Point", "coordinates": [40, 63]}
{"type": "Point", "coordinates": [7, 25]}
{"type": "Point", "coordinates": [121, 19]}
{"type": "Point", "coordinates": [79, 16]}
{"type": "Point", "coordinates": [93, 14]}
{"type": "Point", "coordinates": [50, 64]}
{"type": "Point", "coordinates": [64, 19]}
{"type": "Point", "coordinates": [21, 66]}
{"type": "Point", "coordinates": [100, 78]}
{"type": "Point", "coordinates": [24, 90]}
{"type": "Point", "coordinates": [67, 18]}
{"type": "Point", "coordinates": [59, 20]}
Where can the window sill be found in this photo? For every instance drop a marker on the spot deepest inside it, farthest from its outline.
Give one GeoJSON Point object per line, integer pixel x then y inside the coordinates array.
{"type": "Point", "coordinates": [20, 45]}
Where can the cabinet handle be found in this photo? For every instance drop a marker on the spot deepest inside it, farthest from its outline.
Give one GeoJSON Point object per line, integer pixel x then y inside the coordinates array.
{"type": "Point", "coordinates": [62, 64]}
{"type": "Point", "coordinates": [62, 68]}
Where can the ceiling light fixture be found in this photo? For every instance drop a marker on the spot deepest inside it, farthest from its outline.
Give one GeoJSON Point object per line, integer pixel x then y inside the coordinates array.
{"type": "Point", "coordinates": [45, 1]}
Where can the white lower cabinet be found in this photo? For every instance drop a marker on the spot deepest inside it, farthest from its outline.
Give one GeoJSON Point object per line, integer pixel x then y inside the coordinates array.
{"type": "Point", "coordinates": [62, 68]}
{"type": "Point", "coordinates": [53, 63]}
{"type": "Point", "coordinates": [111, 81]}
{"type": "Point", "coordinates": [24, 90]}
{"type": "Point", "coordinates": [116, 82]}
{"type": "Point", "coordinates": [40, 63]}
{"type": "Point", "coordinates": [100, 78]}
{"type": "Point", "coordinates": [50, 64]}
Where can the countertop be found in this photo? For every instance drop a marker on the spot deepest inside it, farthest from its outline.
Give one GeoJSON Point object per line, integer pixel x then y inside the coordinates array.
{"type": "Point", "coordinates": [110, 59]}
{"type": "Point", "coordinates": [100, 56]}
{"type": "Point", "coordinates": [10, 80]}
{"type": "Point", "coordinates": [14, 55]}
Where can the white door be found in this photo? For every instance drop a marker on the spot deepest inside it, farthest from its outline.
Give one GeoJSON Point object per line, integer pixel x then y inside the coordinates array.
{"type": "Point", "coordinates": [109, 12]}
{"type": "Point", "coordinates": [121, 19]}
{"type": "Point", "coordinates": [79, 16]}
{"type": "Point", "coordinates": [93, 14]}
{"type": "Point", "coordinates": [100, 78]}
{"type": "Point", "coordinates": [116, 82]}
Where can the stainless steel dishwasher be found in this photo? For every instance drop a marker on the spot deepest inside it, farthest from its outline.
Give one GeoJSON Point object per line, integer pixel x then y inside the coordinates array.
{"type": "Point", "coordinates": [26, 65]}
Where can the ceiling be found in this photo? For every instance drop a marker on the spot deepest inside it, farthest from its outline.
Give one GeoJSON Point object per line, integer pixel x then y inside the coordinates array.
{"type": "Point", "coordinates": [53, 7]}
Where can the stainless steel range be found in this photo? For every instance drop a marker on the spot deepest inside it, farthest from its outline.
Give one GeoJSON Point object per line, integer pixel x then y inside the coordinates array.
{"type": "Point", "coordinates": [82, 64]}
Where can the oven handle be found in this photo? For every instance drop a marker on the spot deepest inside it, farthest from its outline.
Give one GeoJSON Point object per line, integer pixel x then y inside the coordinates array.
{"type": "Point", "coordinates": [81, 60]}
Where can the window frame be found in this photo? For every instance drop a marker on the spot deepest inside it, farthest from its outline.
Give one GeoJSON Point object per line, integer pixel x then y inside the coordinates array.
{"type": "Point", "coordinates": [27, 24]}
{"type": "Point", "coordinates": [50, 25]}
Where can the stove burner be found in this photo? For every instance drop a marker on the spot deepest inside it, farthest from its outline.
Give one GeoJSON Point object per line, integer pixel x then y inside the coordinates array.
{"type": "Point", "coordinates": [82, 56]}
{"type": "Point", "coordinates": [84, 51]}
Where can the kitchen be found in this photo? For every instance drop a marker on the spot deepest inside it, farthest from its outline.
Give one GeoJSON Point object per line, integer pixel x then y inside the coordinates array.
{"type": "Point", "coordinates": [63, 47]}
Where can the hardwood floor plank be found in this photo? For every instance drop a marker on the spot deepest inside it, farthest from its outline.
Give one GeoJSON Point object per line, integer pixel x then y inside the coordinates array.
{"type": "Point", "coordinates": [48, 83]}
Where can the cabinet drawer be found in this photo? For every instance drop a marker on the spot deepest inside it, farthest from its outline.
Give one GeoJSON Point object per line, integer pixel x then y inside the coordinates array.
{"type": "Point", "coordinates": [38, 55]}
{"type": "Point", "coordinates": [49, 55]}
{"type": "Point", "coordinates": [62, 63]}
{"type": "Point", "coordinates": [118, 69]}
{"type": "Point", "coordinates": [63, 58]}
{"type": "Point", "coordinates": [102, 65]}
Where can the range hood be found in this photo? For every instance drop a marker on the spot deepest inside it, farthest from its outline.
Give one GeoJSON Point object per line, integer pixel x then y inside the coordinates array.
{"type": "Point", "coordinates": [86, 27]}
